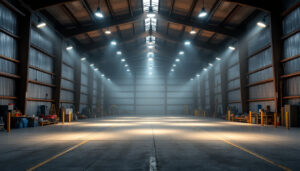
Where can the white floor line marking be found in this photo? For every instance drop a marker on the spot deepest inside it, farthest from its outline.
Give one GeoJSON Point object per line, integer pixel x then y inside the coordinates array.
{"type": "Point", "coordinates": [152, 164]}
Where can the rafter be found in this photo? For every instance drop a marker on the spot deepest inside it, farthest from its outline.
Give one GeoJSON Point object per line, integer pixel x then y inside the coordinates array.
{"type": "Point", "coordinates": [197, 45]}
{"type": "Point", "coordinates": [42, 4]}
{"type": "Point", "coordinates": [221, 30]}
{"type": "Point", "coordinates": [264, 5]}
{"type": "Point", "coordinates": [107, 23]}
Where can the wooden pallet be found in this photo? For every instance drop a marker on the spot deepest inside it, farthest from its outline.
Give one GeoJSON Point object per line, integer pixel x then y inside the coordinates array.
{"type": "Point", "coordinates": [46, 122]}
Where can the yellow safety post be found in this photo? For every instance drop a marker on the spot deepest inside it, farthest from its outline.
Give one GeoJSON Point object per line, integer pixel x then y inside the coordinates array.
{"type": "Point", "coordinates": [250, 117]}
{"type": "Point", "coordinates": [287, 124]}
{"type": "Point", "coordinates": [262, 118]}
{"type": "Point", "coordinates": [275, 120]}
{"type": "Point", "coordinates": [63, 116]}
{"type": "Point", "coordinates": [228, 115]}
{"type": "Point", "coordinates": [8, 121]}
{"type": "Point", "coordinates": [69, 116]}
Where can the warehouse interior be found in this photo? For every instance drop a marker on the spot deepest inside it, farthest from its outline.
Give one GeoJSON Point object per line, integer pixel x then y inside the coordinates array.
{"type": "Point", "coordinates": [149, 85]}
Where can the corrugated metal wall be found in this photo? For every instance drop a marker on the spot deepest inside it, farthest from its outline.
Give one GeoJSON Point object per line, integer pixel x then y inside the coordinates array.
{"type": "Point", "coordinates": [67, 93]}
{"type": "Point", "coordinates": [41, 72]}
{"type": "Point", "coordinates": [233, 82]}
{"type": "Point", "coordinates": [179, 96]}
{"type": "Point", "coordinates": [84, 86]}
{"type": "Point", "coordinates": [260, 70]}
{"type": "Point", "coordinates": [122, 94]}
{"type": "Point", "coordinates": [291, 56]}
{"type": "Point", "coordinates": [8, 55]}
{"type": "Point", "coordinates": [218, 89]}
{"type": "Point", "coordinates": [151, 95]}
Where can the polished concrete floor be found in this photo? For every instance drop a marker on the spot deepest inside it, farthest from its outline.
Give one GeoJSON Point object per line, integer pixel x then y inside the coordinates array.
{"type": "Point", "coordinates": [150, 143]}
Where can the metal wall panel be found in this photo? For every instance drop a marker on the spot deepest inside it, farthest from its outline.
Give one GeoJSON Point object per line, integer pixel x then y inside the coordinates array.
{"type": "Point", "coordinates": [67, 84]}
{"type": "Point", "coordinates": [7, 87]}
{"type": "Point", "coordinates": [291, 48]}
{"type": "Point", "coordinates": [66, 96]}
{"type": "Point", "coordinates": [289, 23]}
{"type": "Point", "coordinates": [260, 76]}
{"type": "Point", "coordinates": [261, 91]}
{"type": "Point", "coordinates": [253, 105]}
{"type": "Point", "coordinates": [8, 19]}
{"type": "Point", "coordinates": [261, 39]}
{"type": "Point", "coordinates": [33, 107]}
{"type": "Point", "coordinates": [292, 86]}
{"type": "Point", "coordinates": [39, 92]}
{"type": "Point", "coordinates": [40, 60]}
{"type": "Point", "coordinates": [8, 46]}
{"type": "Point", "coordinates": [7, 66]}
{"type": "Point", "coordinates": [67, 72]}
{"type": "Point", "coordinates": [260, 60]}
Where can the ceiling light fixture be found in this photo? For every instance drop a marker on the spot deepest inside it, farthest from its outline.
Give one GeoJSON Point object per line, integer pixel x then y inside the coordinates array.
{"type": "Point", "coordinates": [187, 43]}
{"type": "Point", "coordinates": [119, 53]}
{"type": "Point", "coordinates": [181, 53]}
{"type": "Point", "coordinates": [192, 79]}
{"type": "Point", "coordinates": [114, 43]}
{"type": "Point", "coordinates": [126, 65]}
{"type": "Point", "coordinates": [150, 47]}
{"type": "Point", "coordinates": [231, 47]}
{"type": "Point", "coordinates": [83, 59]}
{"type": "Point", "coordinates": [150, 59]}
{"type": "Point", "coordinates": [198, 75]}
{"type": "Point", "coordinates": [193, 31]}
{"type": "Point", "coordinates": [218, 59]}
{"type": "Point", "coordinates": [172, 70]}
{"type": "Point", "coordinates": [210, 64]}
{"type": "Point", "coordinates": [261, 24]}
{"type": "Point", "coordinates": [69, 48]}
{"type": "Point", "coordinates": [128, 70]}
{"type": "Point", "coordinates": [177, 60]}
{"type": "Point", "coordinates": [91, 65]}
{"type": "Point", "coordinates": [203, 12]}
{"type": "Point", "coordinates": [96, 69]}
{"type": "Point", "coordinates": [41, 25]}
{"type": "Point", "coordinates": [174, 65]}
{"type": "Point", "coordinates": [123, 60]}
{"type": "Point", "coordinates": [107, 32]}
{"type": "Point", "coordinates": [102, 75]}
{"type": "Point", "coordinates": [205, 69]}
{"type": "Point", "coordinates": [98, 12]}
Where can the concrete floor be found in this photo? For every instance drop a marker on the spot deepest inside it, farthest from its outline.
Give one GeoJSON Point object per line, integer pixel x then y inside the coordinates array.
{"type": "Point", "coordinates": [128, 143]}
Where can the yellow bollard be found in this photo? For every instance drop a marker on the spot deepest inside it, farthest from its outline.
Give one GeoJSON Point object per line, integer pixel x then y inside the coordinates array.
{"type": "Point", "coordinates": [228, 115]}
{"type": "Point", "coordinates": [69, 116]}
{"type": "Point", "coordinates": [262, 118]}
{"type": "Point", "coordinates": [275, 120]}
{"type": "Point", "coordinates": [287, 123]}
{"type": "Point", "coordinates": [250, 117]}
{"type": "Point", "coordinates": [8, 121]}
{"type": "Point", "coordinates": [63, 116]}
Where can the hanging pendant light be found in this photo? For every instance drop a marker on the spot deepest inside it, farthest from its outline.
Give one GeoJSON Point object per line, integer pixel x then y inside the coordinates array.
{"type": "Point", "coordinates": [203, 12]}
{"type": "Point", "coordinates": [98, 12]}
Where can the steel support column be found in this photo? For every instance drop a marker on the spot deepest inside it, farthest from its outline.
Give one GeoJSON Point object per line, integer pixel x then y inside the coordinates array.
{"type": "Point", "coordinates": [276, 43]}
{"type": "Point", "coordinates": [77, 85]}
{"type": "Point", "coordinates": [243, 61]}
{"type": "Point", "coordinates": [23, 52]}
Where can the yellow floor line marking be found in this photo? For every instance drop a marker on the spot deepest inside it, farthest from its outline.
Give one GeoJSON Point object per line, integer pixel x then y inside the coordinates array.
{"type": "Point", "coordinates": [256, 155]}
{"type": "Point", "coordinates": [57, 155]}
